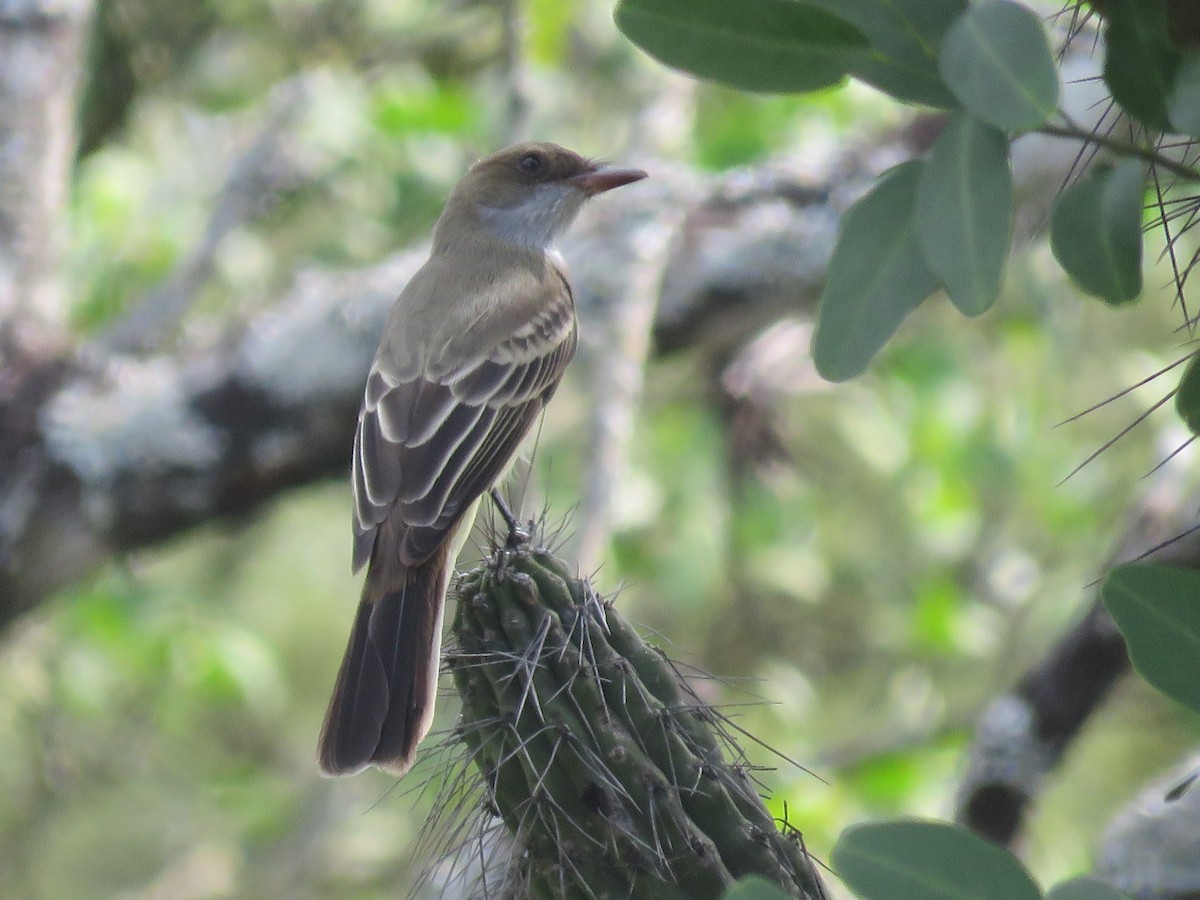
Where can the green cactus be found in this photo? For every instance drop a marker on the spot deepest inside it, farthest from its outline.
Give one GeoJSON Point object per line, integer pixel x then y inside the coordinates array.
{"type": "Point", "coordinates": [608, 772]}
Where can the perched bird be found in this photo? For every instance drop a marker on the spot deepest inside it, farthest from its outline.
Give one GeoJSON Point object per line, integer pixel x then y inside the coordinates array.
{"type": "Point", "coordinates": [472, 351]}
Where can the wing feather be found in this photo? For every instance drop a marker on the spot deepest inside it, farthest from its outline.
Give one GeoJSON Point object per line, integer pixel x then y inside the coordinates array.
{"type": "Point", "coordinates": [379, 465]}
{"type": "Point", "coordinates": [492, 458]}
{"type": "Point", "coordinates": [427, 446]}
{"type": "Point", "coordinates": [412, 411]}
{"type": "Point", "coordinates": [481, 383]}
{"type": "Point", "coordinates": [458, 437]}
{"type": "Point", "coordinates": [365, 511]}
{"type": "Point", "coordinates": [509, 429]}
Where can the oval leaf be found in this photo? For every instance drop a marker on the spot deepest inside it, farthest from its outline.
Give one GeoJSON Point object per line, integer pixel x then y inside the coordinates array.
{"type": "Point", "coordinates": [1184, 102]}
{"type": "Point", "coordinates": [877, 276]}
{"type": "Point", "coordinates": [1084, 889]}
{"type": "Point", "coordinates": [1187, 395]}
{"type": "Point", "coordinates": [905, 37]}
{"type": "Point", "coordinates": [964, 212]}
{"type": "Point", "coordinates": [1157, 608]}
{"type": "Point", "coordinates": [1096, 231]}
{"type": "Point", "coordinates": [760, 45]}
{"type": "Point", "coordinates": [997, 61]}
{"type": "Point", "coordinates": [755, 888]}
{"type": "Point", "coordinates": [1139, 62]}
{"type": "Point", "coordinates": [915, 860]}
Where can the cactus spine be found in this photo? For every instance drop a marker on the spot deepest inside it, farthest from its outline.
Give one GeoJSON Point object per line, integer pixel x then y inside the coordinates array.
{"type": "Point", "coordinates": [606, 770]}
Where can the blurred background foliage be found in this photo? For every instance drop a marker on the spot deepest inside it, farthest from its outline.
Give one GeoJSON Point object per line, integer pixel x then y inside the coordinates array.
{"type": "Point", "coordinates": [862, 600]}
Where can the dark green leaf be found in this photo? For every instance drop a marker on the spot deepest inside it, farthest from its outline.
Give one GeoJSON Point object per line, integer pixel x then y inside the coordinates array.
{"type": "Point", "coordinates": [1096, 231]}
{"type": "Point", "coordinates": [1139, 62]}
{"type": "Point", "coordinates": [1084, 889]}
{"type": "Point", "coordinates": [1157, 608]}
{"type": "Point", "coordinates": [755, 45]}
{"type": "Point", "coordinates": [997, 61]}
{"type": "Point", "coordinates": [916, 860]}
{"type": "Point", "coordinates": [1187, 395]}
{"type": "Point", "coordinates": [964, 206]}
{"type": "Point", "coordinates": [905, 36]}
{"type": "Point", "coordinates": [877, 276]}
{"type": "Point", "coordinates": [1184, 102]}
{"type": "Point", "coordinates": [755, 888]}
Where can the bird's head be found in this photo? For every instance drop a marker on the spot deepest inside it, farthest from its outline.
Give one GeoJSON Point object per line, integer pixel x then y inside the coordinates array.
{"type": "Point", "coordinates": [529, 193]}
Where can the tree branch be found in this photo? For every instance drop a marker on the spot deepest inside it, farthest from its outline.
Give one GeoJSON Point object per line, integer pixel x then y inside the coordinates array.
{"type": "Point", "coordinates": [101, 460]}
{"type": "Point", "coordinates": [1121, 148]}
{"type": "Point", "coordinates": [1023, 735]}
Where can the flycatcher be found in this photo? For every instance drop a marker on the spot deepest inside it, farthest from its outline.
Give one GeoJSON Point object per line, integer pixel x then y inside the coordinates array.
{"type": "Point", "coordinates": [472, 351]}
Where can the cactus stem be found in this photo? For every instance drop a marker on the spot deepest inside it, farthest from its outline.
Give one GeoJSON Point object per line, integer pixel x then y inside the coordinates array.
{"type": "Point", "coordinates": [604, 766]}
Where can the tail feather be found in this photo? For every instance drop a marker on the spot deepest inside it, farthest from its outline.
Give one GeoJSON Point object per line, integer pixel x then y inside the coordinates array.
{"type": "Point", "coordinates": [382, 703]}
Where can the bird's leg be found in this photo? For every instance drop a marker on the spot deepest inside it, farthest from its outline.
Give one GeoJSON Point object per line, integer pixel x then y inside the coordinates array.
{"type": "Point", "coordinates": [516, 534]}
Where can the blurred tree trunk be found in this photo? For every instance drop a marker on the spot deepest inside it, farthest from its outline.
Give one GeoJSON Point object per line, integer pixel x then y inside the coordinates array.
{"type": "Point", "coordinates": [41, 56]}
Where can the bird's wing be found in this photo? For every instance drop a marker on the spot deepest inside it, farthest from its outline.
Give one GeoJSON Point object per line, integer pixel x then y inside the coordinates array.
{"type": "Point", "coordinates": [426, 446]}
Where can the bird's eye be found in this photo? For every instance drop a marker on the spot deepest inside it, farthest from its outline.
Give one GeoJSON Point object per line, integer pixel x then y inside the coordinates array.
{"type": "Point", "coordinates": [530, 162]}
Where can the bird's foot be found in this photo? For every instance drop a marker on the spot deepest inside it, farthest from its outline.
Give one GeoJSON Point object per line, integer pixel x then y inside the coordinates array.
{"type": "Point", "coordinates": [517, 536]}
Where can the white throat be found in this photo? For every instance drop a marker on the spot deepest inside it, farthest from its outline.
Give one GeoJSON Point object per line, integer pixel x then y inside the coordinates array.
{"type": "Point", "coordinates": [536, 221]}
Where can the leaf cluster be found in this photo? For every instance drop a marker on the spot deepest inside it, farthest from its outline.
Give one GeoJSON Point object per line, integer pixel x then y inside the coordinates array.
{"type": "Point", "coordinates": [944, 223]}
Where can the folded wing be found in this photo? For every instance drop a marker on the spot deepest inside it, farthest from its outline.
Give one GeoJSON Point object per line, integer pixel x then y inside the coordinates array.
{"type": "Point", "coordinates": [426, 446]}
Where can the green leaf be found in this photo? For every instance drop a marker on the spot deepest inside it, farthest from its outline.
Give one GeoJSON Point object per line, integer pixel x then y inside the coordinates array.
{"type": "Point", "coordinates": [1157, 608]}
{"type": "Point", "coordinates": [1140, 63]}
{"type": "Point", "coordinates": [1187, 395]}
{"type": "Point", "coordinates": [964, 212]}
{"type": "Point", "coordinates": [877, 276]}
{"type": "Point", "coordinates": [921, 860]}
{"type": "Point", "coordinates": [997, 61]}
{"type": "Point", "coordinates": [1084, 889]}
{"type": "Point", "coordinates": [905, 37]}
{"type": "Point", "coordinates": [1183, 104]}
{"type": "Point", "coordinates": [755, 45]}
{"type": "Point", "coordinates": [1096, 231]}
{"type": "Point", "coordinates": [753, 887]}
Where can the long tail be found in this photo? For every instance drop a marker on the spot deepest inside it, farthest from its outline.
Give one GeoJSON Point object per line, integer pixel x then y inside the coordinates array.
{"type": "Point", "coordinates": [382, 703]}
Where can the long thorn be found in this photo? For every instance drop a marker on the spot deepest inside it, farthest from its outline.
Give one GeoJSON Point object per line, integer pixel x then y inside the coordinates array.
{"type": "Point", "coordinates": [1128, 390]}
{"type": "Point", "coordinates": [1120, 434]}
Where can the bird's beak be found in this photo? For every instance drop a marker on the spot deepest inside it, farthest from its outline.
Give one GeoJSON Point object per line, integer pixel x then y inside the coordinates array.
{"type": "Point", "coordinates": [598, 179]}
